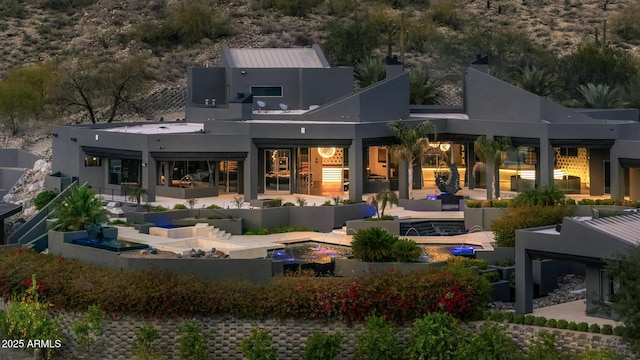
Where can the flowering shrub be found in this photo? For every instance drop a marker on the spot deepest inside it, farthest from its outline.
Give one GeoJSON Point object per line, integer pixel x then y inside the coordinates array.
{"type": "Point", "coordinates": [396, 297]}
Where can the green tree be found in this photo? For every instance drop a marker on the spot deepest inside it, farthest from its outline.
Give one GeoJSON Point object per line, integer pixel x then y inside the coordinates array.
{"type": "Point", "coordinates": [538, 81]}
{"type": "Point", "coordinates": [380, 200]}
{"type": "Point", "coordinates": [369, 71]}
{"type": "Point", "coordinates": [412, 143]}
{"type": "Point", "coordinates": [349, 42]}
{"type": "Point", "coordinates": [599, 96]}
{"type": "Point", "coordinates": [79, 209]}
{"type": "Point", "coordinates": [625, 272]}
{"type": "Point", "coordinates": [136, 193]}
{"type": "Point", "coordinates": [490, 153]}
{"type": "Point", "coordinates": [423, 89]}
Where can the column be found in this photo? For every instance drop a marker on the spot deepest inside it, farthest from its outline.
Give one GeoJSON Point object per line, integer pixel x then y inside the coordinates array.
{"type": "Point", "coordinates": [250, 174]}
{"type": "Point", "coordinates": [356, 177]}
{"type": "Point", "coordinates": [634, 184]}
{"type": "Point", "coordinates": [617, 176]}
{"type": "Point", "coordinates": [469, 160]}
{"type": "Point", "coordinates": [403, 179]}
{"type": "Point", "coordinates": [545, 163]}
{"type": "Point", "coordinates": [596, 171]}
{"type": "Point", "coordinates": [148, 180]}
{"type": "Point", "coordinates": [524, 282]}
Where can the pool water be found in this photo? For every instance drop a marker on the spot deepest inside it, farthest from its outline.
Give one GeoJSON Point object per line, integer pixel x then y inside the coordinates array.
{"type": "Point", "coordinates": [110, 244]}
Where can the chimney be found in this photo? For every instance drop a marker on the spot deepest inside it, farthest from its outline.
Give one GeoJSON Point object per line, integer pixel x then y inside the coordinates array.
{"type": "Point", "coordinates": [481, 63]}
{"type": "Point", "coordinates": [393, 66]}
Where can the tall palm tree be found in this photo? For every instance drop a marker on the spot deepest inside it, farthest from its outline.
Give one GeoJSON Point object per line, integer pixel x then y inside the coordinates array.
{"type": "Point", "coordinates": [369, 71]}
{"type": "Point", "coordinates": [490, 152]}
{"type": "Point", "coordinates": [79, 209]}
{"type": "Point", "coordinates": [538, 81]}
{"type": "Point", "coordinates": [423, 89]}
{"type": "Point", "coordinates": [599, 96]}
{"type": "Point", "coordinates": [412, 144]}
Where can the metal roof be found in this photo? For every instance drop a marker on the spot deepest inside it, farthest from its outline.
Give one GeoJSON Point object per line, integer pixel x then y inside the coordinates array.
{"type": "Point", "coordinates": [276, 58]}
{"type": "Point", "coordinates": [624, 227]}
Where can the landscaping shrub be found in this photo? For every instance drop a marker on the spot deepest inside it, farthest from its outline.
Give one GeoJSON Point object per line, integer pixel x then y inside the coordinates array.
{"type": "Point", "coordinates": [145, 346]}
{"type": "Point", "coordinates": [518, 319]}
{"type": "Point", "coordinates": [399, 297]}
{"type": "Point", "coordinates": [473, 203]}
{"type": "Point", "coordinates": [465, 262]}
{"type": "Point", "coordinates": [490, 343]}
{"type": "Point", "coordinates": [321, 346]}
{"type": "Point", "coordinates": [257, 346]}
{"type": "Point", "coordinates": [43, 198]}
{"type": "Point", "coordinates": [544, 348]}
{"type": "Point", "coordinates": [552, 323]}
{"type": "Point", "coordinates": [540, 321]}
{"type": "Point", "coordinates": [435, 336]}
{"type": "Point", "coordinates": [562, 324]}
{"type": "Point", "coordinates": [619, 330]}
{"type": "Point", "coordinates": [605, 354]}
{"type": "Point", "coordinates": [89, 330]}
{"type": "Point", "coordinates": [378, 342]}
{"type": "Point", "coordinates": [373, 244]}
{"type": "Point", "coordinates": [545, 196]}
{"type": "Point", "coordinates": [508, 316]}
{"type": "Point", "coordinates": [504, 227]}
{"type": "Point", "coordinates": [583, 326]}
{"type": "Point", "coordinates": [594, 328]}
{"type": "Point", "coordinates": [529, 319]}
{"type": "Point", "coordinates": [193, 342]}
{"type": "Point", "coordinates": [500, 203]}
{"type": "Point", "coordinates": [606, 329]}
{"type": "Point", "coordinates": [491, 276]}
{"type": "Point", "coordinates": [496, 316]}
{"type": "Point", "coordinates": [213, 207]}
{"type": "Point", "coordinates": [405, 250]}
{"type": "Point", "coordinates": [180, 207]}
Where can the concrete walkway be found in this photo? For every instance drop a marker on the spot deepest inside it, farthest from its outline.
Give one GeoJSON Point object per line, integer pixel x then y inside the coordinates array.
{"type": "Point", "coordinates": [572, 311]}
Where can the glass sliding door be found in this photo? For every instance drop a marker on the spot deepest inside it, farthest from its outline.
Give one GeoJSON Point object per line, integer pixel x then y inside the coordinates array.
{"type": "Point", "coordinates": [277, 172]}
{"type": "Point", "coordinates": [228, 176]}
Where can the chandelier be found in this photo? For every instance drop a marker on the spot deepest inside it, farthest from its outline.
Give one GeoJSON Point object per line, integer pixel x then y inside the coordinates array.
{"type": "Point", "coordinates": [326, 152]}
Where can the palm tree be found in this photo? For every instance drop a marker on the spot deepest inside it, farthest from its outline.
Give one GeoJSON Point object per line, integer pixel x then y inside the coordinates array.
{"type": "Point", "coordinates": [490, 152]}
{"type": "Point", "coordinates": [380, 200]}
{"type": "Point", "coordinates": [424, 90]}
{"type": "Point", "coordinates": [599, 96]}
{"type": "Point", "coordinates": [412, 144]}
{"type": "Point", "coordinates": [538, 81]}
{"type": "Point", "coordinates": [369, 71]}
{"type": "Point", "coordinates": [136, 193]}
{"type": "Point", "coordinates": [79, 209]}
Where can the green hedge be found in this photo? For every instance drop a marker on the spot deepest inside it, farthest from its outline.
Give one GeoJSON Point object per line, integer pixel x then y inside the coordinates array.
{"type": "Point", "coordinates": [504, 227]}
{"type": "Point", "coordinates": [398, 297]}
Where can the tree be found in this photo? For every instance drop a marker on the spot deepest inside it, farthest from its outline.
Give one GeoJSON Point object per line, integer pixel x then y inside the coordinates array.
{"type": "Point", "coordinates": [538, 81]}
{"type": "Point", "coordinates": [412, 144]}
{"type": "Point", "coordinates": [423, 89]}
{"type": "Point", "coordinates": [79, 209]}
{"type": "Point", "coordinates": [625, 273]}
{"type": "Point", "coordinates": [369, 71]}
{"type": "Point", "coordinates": [340, 46]}
{"type": "Point", "coordinates": [380, 200]}
{"type": "Point", "coordinates": [100, 88]}
{"type": "Point", "coordinates": [599, 96]}
{"type": "Point", "coordinates": [490, 152]}
{"type": "Point", "coordinates": [136, 193]}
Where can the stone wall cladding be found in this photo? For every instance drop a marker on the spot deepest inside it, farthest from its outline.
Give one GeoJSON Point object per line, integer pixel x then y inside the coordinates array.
{"type": "Point", "coordinates": [289, 336]}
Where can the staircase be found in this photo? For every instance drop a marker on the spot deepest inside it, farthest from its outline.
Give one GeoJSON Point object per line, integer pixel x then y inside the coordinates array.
{"type": "Point", "coordinates": [217, 234]}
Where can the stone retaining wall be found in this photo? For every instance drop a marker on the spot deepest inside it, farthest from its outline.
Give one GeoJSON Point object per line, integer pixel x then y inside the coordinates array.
{"type": "Point", "coordinates": [289, 336]}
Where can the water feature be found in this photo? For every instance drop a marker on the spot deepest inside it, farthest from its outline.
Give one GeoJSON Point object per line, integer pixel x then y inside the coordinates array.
{"type": "Point", "coordinates": [414, 229]}
{"type": "Point", "coordinates": [110, 244]}
{"type": "Point", "coordinates": [309, 252]}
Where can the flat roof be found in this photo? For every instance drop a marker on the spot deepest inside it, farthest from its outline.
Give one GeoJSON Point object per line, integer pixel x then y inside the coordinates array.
{"type": "Point", "coordinates": [159, 128]}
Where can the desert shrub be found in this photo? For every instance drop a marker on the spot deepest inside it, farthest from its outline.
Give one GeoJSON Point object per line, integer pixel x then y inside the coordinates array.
{"type": "Point", "coordinates": [583, 326]}
{"type": "Point", "coordinates": [563, 324]}
{"type": "Point", "coordinates": [436, 336]}
{"type": "Point", "coordinates": [594, 328]}
{"type": "Point", "coordinates": [339, 46]}
{"type": "Point", "coordinates": [545, 196]}
{"type": "Point", "coordinates": [465, 262]}
{"type": "Point", "coordinates": [605, 354]}
{"type": "Point", "coordinates": [490, 343]}
{"type": "Point", "coordinates": [145, 346]}
{"type": "Point", "coordinates": [89, 330]}
{"type": "Point", "coordinates": [373, 244]}
{"type": "Point", "coordinates": [405, 250]}
{"type": "Point", "coordinates": [11, 8]}
{"type": "Point", "coordinates": [43, 198]}
{"type": "Point", "coordinates": [193, 342]}
{"type": "Point", "coordinates": [64, 5]}
{"type": "Point", "coordinates": [27, 317]}
{"type": "Point", "coordinates": [378, 342]}
{"type": "Point", "coordinates": [607, 329]}
{"type": "Point", "coordinates": [327, 203]}
{"type": "Point", "coordinates": [321, 346]}
{"type": "Point", "coordinates": [445, 13]}
{"type": "Point", "coordinates": [258, 346]}
{"type": "Point", "coordinates": [213, 207]}
{"type": "Point", "coordinates": [626, 23]}
{"type": "Point", "coordinates": [295, 7]}
{"type": "Point", "coordinates": [180, 207]}
{"type": "Point", "coordinates": [504, 227]}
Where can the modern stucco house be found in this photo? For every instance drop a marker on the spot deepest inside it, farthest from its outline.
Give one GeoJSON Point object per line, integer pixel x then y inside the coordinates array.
{"type": "Point", "coordinates": [284, 120]}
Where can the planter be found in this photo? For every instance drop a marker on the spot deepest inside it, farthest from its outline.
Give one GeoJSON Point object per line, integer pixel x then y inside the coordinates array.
{"type": "Point", "coordinates": [504, 271]}
{"type": "Point", "coordinates": [354, 267]}
{"type": "Point", "coordinates": [482, 217]}
{"type": "Point", "coordinates": [420, 205]}
{"type": "Point", "coordinates": [544, 276]}
{"type": "Point", "coordinates": [392, 226]}
{"type": "Point", "coordinates": [500, 291]}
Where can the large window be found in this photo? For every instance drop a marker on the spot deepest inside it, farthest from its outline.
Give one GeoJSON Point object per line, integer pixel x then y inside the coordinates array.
{"type": "Point", "coordinates": [609, 286]}
{"type": "Point", "coordinates": [92, 161]}
{"type": "Point", "coordinates": [267, 91]}
{"type": "Point", "coordinates": [124, 172]}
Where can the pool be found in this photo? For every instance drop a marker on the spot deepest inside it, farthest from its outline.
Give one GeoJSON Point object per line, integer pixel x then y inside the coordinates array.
{"type": "Point", "coordinates": [115, 245]}
{"type": "Point", "coordinates": [309, 252]}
